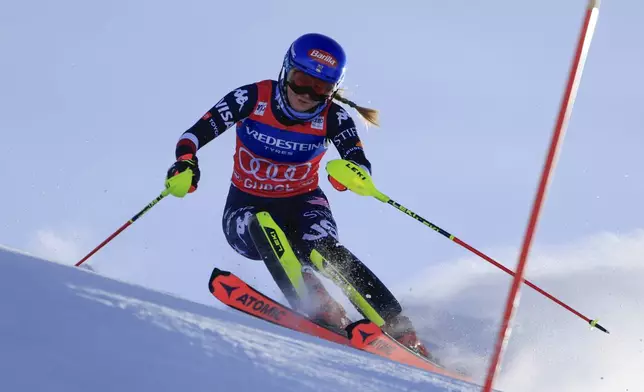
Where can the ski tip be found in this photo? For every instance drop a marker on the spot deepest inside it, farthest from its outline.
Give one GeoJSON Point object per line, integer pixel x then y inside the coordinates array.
{"type": "Point", "coordinates": [354, 324]}
{"type": "Point", "coordinates": [362, 328]}
{"type": "Point", "coordinates": [350, 329]}
{"type": "Point", "coordinates": [216, 272]}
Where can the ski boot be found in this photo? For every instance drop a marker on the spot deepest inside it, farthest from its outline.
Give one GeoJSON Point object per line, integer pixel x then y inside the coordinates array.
{"type": "Point", "coordinates": [328, 312]}
{"type": "Point", "coordinates": [401, 329]}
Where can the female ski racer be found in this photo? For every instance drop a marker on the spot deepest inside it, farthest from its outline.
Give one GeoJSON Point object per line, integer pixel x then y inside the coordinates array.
{"type": "Point", "coordinates": [283, 130]}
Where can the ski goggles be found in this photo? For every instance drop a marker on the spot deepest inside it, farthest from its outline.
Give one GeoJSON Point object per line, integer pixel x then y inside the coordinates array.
{"type": "Point", "coordinates": [302, 83]}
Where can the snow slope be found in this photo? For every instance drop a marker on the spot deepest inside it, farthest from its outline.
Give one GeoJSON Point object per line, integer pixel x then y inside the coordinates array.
{"type": "Point", "coordinates": [67, 329]}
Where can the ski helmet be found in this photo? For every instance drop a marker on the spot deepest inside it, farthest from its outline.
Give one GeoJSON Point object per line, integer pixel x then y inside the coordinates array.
{"type": "Point", "coordinates": [320, 57]}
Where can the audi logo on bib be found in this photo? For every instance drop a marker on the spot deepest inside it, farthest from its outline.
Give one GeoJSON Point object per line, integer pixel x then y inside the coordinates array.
{"type": "Point", "coordinates": [265, 170]}
{"type": "Point", "coordinates": [265, 176]}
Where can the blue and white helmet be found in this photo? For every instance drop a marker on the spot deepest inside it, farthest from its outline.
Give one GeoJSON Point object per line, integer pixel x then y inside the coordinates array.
{"type": "Point", "coordinates": [318, 56]}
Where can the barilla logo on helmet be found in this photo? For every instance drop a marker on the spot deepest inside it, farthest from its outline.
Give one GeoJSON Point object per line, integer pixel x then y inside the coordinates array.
{"type": "Point", "coordinates": [323, 57]}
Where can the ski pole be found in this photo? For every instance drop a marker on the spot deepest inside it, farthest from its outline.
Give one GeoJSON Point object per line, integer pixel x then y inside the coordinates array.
{"type": "Point", "coordinates": [177, 185]}
{"type": "Point", "coordinates": [125, 226]}
{"type": "Point", "coordinates": [357, 180]}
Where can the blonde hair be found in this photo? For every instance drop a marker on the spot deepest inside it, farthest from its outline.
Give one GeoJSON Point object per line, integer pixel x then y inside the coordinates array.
{"type": "Point", "coordinates": [370, 115]}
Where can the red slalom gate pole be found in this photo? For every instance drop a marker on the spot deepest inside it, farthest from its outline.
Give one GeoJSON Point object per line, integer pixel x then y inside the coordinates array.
{"type": "Point", "coordinates": [574, 79]}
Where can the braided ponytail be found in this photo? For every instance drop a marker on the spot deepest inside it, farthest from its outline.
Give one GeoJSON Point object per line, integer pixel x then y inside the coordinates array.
{"type": "Point", "coordinates": [370, 115]}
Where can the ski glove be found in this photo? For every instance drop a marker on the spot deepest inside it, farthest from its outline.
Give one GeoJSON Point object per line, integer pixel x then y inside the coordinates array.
{"type": "Point", "coordinates": [183, 176]}
{"type": "Point", "coordinates": [336, 184]}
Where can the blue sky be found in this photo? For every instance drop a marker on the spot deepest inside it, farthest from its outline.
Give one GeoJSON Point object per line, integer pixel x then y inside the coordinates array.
{"type": "Point", "coordinates": [95, 95]}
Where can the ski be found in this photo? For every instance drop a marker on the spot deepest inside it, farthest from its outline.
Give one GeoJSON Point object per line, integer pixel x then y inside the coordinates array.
{"type": "Point", "coordinates": [367, 336]}
{"type": "Point", "coordinates": [363, 335]}
{"type": "Point", "coordinates": [234, 292]}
